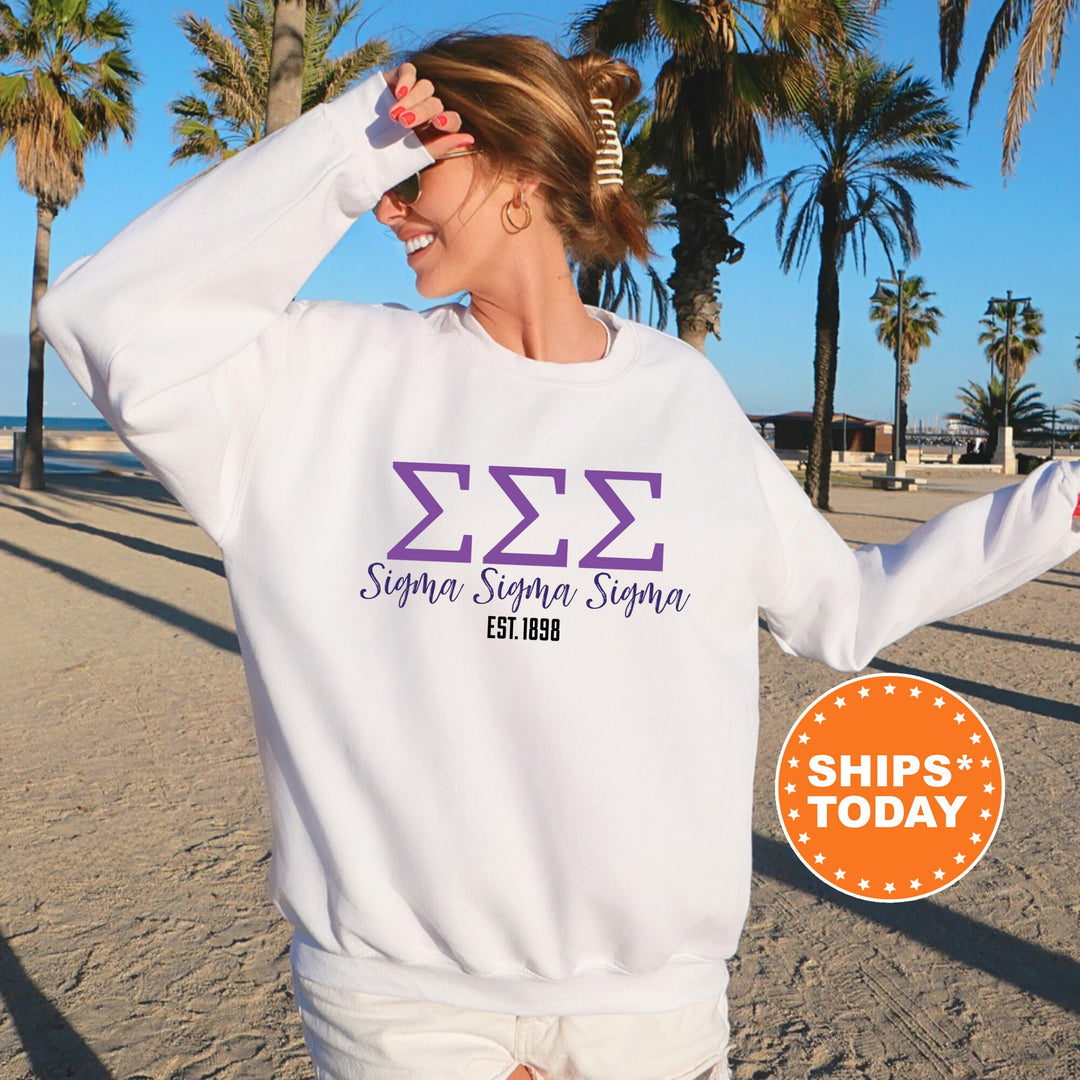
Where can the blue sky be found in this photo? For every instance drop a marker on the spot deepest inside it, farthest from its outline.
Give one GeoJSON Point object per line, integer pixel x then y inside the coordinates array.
{"type": "Point", "coordinates": [975, 243]}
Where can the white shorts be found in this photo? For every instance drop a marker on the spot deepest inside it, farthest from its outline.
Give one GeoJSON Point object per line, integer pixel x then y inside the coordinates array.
{"type": "Point", "coordinates": [354, 1036]}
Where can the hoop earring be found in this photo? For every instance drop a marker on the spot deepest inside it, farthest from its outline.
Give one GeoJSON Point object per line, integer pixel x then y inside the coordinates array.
{"type": "Point", "coordinates": [511, 224]}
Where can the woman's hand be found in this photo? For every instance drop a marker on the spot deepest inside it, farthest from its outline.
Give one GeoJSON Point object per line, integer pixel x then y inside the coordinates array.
{"type": "Point", "coordinates": [419, 109]}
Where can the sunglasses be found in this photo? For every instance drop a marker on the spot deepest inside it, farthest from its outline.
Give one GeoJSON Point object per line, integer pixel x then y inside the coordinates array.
{"type": "Point", "coordinates": [408, 191]}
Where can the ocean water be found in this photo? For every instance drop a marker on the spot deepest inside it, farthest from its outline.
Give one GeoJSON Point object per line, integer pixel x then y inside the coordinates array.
{"type": "Point", "coordinates": [59, 423]}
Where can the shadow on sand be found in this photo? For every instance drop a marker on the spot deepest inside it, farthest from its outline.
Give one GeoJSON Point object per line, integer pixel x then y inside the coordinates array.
{"type": "Point", "coordinates": [1052, 976]}
{"type": "Point", "coordinates": [219, 636]}
{"type": "Point", "coordinates": [55, 1049]}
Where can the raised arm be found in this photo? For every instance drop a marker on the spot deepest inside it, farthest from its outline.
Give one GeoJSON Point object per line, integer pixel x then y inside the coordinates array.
{"type": "Point", "coordinates": [176, 326]}
{"type": "Point", "coordinates": [830, 603]}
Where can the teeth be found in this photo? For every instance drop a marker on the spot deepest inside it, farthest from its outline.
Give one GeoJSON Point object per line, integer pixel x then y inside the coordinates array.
{"type": "Point", "coordinates": [415, 243]}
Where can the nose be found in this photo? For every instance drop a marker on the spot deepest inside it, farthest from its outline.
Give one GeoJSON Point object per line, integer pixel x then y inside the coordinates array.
{"type": "Point", "coordinates": [389, 209]}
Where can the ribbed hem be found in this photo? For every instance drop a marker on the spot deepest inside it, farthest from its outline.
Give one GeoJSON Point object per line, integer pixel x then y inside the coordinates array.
{"type": "Point", "coordinates": [677, 985]}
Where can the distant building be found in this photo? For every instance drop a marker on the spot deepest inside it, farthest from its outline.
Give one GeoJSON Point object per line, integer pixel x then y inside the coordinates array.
{"type": "Point", "coordinates": [791, 431]}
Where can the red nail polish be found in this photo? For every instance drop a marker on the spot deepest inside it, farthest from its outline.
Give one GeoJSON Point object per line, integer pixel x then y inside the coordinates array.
{"type": "Point", "coordinates": [402, 91]}
{"type": "Point", "coordinates": [1076, 512]}
{"type": "Point", "coordinates": [395, 113]}
{"type": "Point", "coordinates": [441, 120]}
{"type": "Point", "coordinates": [408, 118]}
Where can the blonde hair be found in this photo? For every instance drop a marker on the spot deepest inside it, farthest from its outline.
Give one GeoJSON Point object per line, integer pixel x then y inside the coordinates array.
{"type": "Point", "coordinates": [529, 109]}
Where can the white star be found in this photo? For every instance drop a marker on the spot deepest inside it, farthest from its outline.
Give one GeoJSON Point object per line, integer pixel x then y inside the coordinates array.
{"type": "Point", "coordinates": [863, 883]}
{"type": "Point", "coordinates": [819, 858]}
{"type": "Point", "coordinates": [793, 762]}
{"type": "Point", "coordinates": [863, 692]}
{"type": "Point", "coordinates": [975, 837]}
{"type": "Point", "coordinates": [984, 814]}
{"type": "Point", "coordinates": [793, 814]}
{"type": "Point", "coordinates": [916, 884]}
{"type": "Point", "coordinates": [962, 762]}
{"type": "Point", "coordinates": [939, 702]}
{"type": "Point", "coordinates": [939, 874]}
{"type": "Point", "coordinates": [803, 837]}
{"type": "Point", "coordinates": [804, 738]}
{"type": "Point", "coordinates": [790, 789]}
{"type": "Point", "coordinates": [819, 718]}
{"type": "Point", "coordinates": [960, 718]}
{"type": "Point", "coordinates": [915, 691]}
{"type": "Point", "coordinates": [975, 737]}
{"type": "Point", "coordinates": [839, 875]}
{"type": "Point", "coordinates": [889, 688]}
{"type": "Point", "coordinates": [889, 886]}
{"type": "Point", "coordinates": [959, 857]}
{"type": "Point", "coordinates": [839, 703]}
{"type": "Point", "coordinates": [988, 788]}
{"type": "Point", "coordinates": [985, 763]}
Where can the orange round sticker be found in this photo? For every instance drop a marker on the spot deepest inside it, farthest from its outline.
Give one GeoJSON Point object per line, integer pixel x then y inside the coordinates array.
{"type": "Point", "coordinates": [890, 787]}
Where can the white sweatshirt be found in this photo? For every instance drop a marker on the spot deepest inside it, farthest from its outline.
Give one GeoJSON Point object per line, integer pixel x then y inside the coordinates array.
{"type": "Point", "coordinates": [463, 811]}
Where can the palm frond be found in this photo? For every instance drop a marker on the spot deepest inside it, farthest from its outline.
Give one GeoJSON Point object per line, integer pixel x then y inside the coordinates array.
{"type": "Point", "coordinates": [234, 77]}
{"type": "Point", "coordinates": [1044, 33]}
{"type": "Point", "coordinates": [69, 92]}
{"type": "Point", "coordinates": [952, 15]}
{"type": "Point", "coordinates": [620, 27]}
{"type": "Point", "coordinates": [1002, 30]}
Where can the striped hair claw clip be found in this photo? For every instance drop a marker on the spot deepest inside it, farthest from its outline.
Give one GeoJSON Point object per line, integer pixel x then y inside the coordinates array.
{"type": "Point", "coordinates": [609, 151]}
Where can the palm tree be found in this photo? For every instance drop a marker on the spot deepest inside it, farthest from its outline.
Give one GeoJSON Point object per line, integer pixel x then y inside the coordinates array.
{"type": "Point", "coordinates": [67, 92]}
{"type": "Point", "coordinates": [1077, 361]}
{"type": "Point", "coordinates": [1027, 331]}
{"type": "Point", "coordinates": [232, 109]}
{"type": "Point", "coordinates": [876, 128]}
{"type": "Point", "coordinates": [729, 66]}
{"type": "Point", "coordinates": [983, 409]}
{"type": "Point", "coordinates": [1043, 33]}
{"type": "Point", "coordinates": [920, 323]}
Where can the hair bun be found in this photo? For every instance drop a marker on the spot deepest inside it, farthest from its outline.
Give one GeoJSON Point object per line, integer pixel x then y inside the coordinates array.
{"type": "Point", "coordinates": [607, 77]}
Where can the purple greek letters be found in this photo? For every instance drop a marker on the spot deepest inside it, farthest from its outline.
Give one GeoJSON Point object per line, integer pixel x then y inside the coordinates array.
{"type": "Point", "coordinates": [504, 475]}
{"type": "Point", "coordinates": [624, 519]}
{"type": "Point", "coordinates": [408, 471]}
{"type": "Point", "coordinates": [600, 480]}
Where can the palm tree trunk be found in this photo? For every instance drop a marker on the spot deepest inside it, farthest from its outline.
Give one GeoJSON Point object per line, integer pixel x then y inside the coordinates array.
{"type": "Point", "coordinates": [588, 284]}
{"type": "Point", "coordinates": [704, 243]}
{"type": "Point", "coordinates": [826, 334]}
{"type": "Point", "coordinates": [285, 94]}
{"type": "Point", "coordinates": [905, 389]}
{"type": "Point", "coordinates": [33, 463]}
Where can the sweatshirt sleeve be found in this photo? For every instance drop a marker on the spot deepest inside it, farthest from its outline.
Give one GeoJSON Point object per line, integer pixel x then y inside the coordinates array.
{"type": "Point", "coordinates": [176, 327]}
{"type": "Point", "coordinates": [842, 606]}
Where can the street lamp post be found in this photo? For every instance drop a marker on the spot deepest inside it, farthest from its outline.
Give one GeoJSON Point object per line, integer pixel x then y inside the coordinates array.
{"type": "Point", "coordinates": [1005, 442]}
{"type": "Point", "coordinates": [896, 466]}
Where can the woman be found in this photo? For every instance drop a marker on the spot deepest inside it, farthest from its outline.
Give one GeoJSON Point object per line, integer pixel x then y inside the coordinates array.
{"type": "Point", "coordinates": [496, 570]}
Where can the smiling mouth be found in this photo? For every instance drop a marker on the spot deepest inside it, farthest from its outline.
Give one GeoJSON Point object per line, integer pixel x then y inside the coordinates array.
{"type": "Point", "coordinates": [418, 243]}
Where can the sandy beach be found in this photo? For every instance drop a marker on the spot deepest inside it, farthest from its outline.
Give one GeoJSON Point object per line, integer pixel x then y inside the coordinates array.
{"type": "Point", "coordinates": [136, 938]}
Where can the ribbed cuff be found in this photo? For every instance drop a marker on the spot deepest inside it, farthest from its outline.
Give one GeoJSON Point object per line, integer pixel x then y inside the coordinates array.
{"type": "Point", "coordinates": [360, 122]}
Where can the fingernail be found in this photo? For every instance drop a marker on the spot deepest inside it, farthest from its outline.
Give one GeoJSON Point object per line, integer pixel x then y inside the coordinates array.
{"type": "Point", "coordinates": [441, 120]}
{"type": "Point", "coordinates": [408, 118]}
{"type": "Point", "coordinates": [402, 91]}
{"type": "Point", "coordinates": [395, 113]}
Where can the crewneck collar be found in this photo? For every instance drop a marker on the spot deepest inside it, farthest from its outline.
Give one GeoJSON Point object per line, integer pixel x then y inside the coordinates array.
{"type": "Point", "coordinates": [619, 358]}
